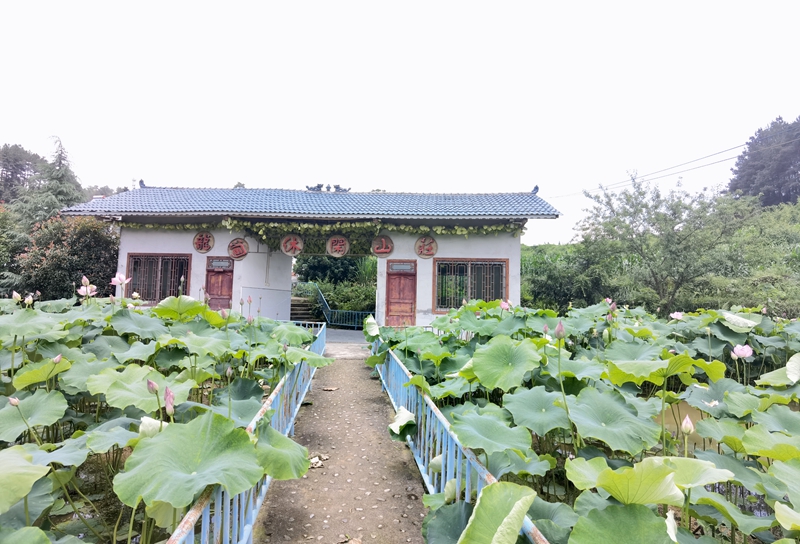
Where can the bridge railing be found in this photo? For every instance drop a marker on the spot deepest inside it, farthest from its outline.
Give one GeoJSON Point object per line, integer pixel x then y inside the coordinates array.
{"type": "Point", "coordinates": [340, 318]}
{"type": "Point", "coordinates": [226, 519]}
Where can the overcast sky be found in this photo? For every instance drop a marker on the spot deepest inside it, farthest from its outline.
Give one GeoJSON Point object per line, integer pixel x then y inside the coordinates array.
{"type": "Point", "coordinates": [403, 96]}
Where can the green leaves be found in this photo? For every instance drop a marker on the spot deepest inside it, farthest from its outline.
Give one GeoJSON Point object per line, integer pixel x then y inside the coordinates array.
{"type": "Point", "coordinates": [489, 433]}
{"type": "Point", "coordinates": [536, 409]}
{"type": "Point", "coordinates": [403, 426]}
{"type": "Point", "coordinates": [41, 408]}
{"type": "Point", "coordinates": [182, 460]}
{"type": "Point", "coordinates": [498, 514]}
{"type": "Point", "coordinates": [281, 457]}
{"type": "Point", "coordinates": [129, 387]}
{"type": "Point", "coordinates": [18, 476]}
{"type": "Point", "coordinates": [631, 524]}
{"type": "Point", "coordinates": [502, 362]}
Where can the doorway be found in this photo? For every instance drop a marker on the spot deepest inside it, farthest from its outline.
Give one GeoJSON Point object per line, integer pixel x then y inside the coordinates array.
{"type": "Point", "coordinates": [219, 282]}
{"type": "Point", "coordinates": [401, 293]}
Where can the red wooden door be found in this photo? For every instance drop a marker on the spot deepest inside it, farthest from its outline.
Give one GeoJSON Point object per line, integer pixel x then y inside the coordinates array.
{"type": "Point", "coordinates": [401, 293]}
{"type": "Point", "coordinates": [219, 282]}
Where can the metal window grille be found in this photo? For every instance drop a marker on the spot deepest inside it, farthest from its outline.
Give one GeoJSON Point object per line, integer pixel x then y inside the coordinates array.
{"type": "Point", "coordinates": [459, 280]}
{"type": "Point", "coordinates": [156, 277]}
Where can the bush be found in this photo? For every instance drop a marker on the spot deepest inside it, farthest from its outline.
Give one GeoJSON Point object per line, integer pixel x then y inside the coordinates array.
{"type": "Point", "coordinates": [349, 296]}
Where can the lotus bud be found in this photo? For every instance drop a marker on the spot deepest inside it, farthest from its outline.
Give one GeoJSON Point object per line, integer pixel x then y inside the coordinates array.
{"type": "Point", "coordinates": [764, 310]}
{"type": "Point", "coordinates": [249, 319]}
{"type": "Point", "coordinates": [249, 299]}
{"type": "Point", "coordinates": [609, 318]}
{"type": "Point", "coordinates": [150, 427]}
{"type": "Point", "coordinates": [504, 305]}
{"type": "Point", "coordinates": [29, 300]}
{"type": "Point", "coordinates": [182, 279]}
{"type": "Point", "coordinates": [224, 313]}
{"type": "Point", "coordinates": [57, 359]}
{"type": "Point", "coordinates": [135, 295]}
{"type": "Point", "coordinates": [708, 330]}
{"type": "Point", "coordinates": [687, 427]}
{"type": "Point", "coordinates": [560, 332]}
{"type": "Point", "coordinates": [13, 401]}
{"type": "Point", "coordinates": [152, 387]}
{"type": "Point", "coordinates": [39, 294]}
{"type": "Point", "coordinates": [112, 299]}
{"type": "Point", "coordinates": [608, 300]}
{"type": "Point", "coordinates": [676, 315]}
{"type": "Point", "coordinates": [613, 307]}
{"type": "Point", "coordinates": [463, 302]}
{"type": "Point", "coordinates": [169, 401]}
{"type": "Point", "coordinates": [241, 302]}
{"type": "Point", "coordinates": [85, 281]}
{"type": "Point", "coordinates": [229, 372]}
{"type": "Point", "coordinates": [16, 296]}
{"type": "Point", "coordinates": [130, 306]}
{"type": "Point", "coordinates": [545, 329]}
{"type": "Point", "coordinates": [607, 336]}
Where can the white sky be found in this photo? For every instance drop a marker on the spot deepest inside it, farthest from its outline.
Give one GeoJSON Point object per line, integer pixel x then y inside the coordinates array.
{"type": "Point", "coordinates": [404, 96]}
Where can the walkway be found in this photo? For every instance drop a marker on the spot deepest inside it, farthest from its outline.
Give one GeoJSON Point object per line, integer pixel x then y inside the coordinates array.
{"type": "Point", "coordinates": [368, 488]}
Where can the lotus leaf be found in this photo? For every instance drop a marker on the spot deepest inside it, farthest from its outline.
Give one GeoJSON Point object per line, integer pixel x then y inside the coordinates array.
{"type": "Point", "coordinates": [102, 441]}
{"type": "Point", "coordinates": [517, 462]}
{"type": "Point", "coordinates": [104, 347]}
{"type": "Point", "coordinates": [73, 381]}
{"type": "Point", "coordinates": [451, 387]}
{"type": "Point", "coordinates": [131, 322]}
{"type": "Point", "coordinates": [742, 474]}
{"type": "Point", "coordinates": [498, 514]}
{"type": "Point", "coordinates": [588, 501]}
{"type": "Point", "coordinates": [489, 434]}
{"type": "Point", "coordinates": [295, 355]}
{"type": "Point", "coordinates": [179, 308]}
{"type": "Point", "coordinates": [726, 431]}
{"type": "Point", "coordinates": [420, 383]}
{"type": "Point", "coordinates": [629, 524]}
{"type": "Point", "coordinates": [711, 348]}
{"type": "Point", "coordinates": [206, 345]}
{"type": "Point", "coordinates": [691, 473]}
{"type": "Point", "coordinates": [129, 387]}
{"type": "Point", "coordinates": [503, 362]}
{"type": "Point", "coordinates": [25, 535]}
{"type": "Point", "coordinates": [509, 325]}
{"type": "Point", "coordinates": [788, 472]}
{"type": "Point", "coordinates": [482, 327]}
{"type": "Point", "coordinates": [281, 457]}
{"type": "Point", "coordinates": [581, 368]}
{"type": "Point", "coordinates": [435, 353]}
{"type": "Point", "coordinates": [738, 323]}
{"type": "Point", "coordinates": [746, 523]}
{"type": "Point", "coordinates": [39, 499]}
{"type": "Point", "coordinates": [403, 425]}
{"type": "Point", "coordinates": [164, 515]}
{"type": "Point", "coordinates": [138, 352]}
{"type": "Point", "coordinates": [584, 473]}
{"type": "Point", "coordinates": [18, 475]}
{"type": "Point", "coordinates": [607, 417]}
{"type": "Point", "coordinates": [633, 351]}
{"type": "Point", "coordinates": [788, 518]}
{"type": "Point", "coordinates": [759, 441]}
{"type": "Point", "coordinates": [445, 524]}
{"type": "Point", "coordinates": [294, 335]}
{"type": "Point", "coordinates": [777, 378]}
{"type": "Point", "coordinates": [42, 371]}
{"type": "Point", "coordinates": [182, 460]}
{"type": "Point", "coordinates": [535, 409]}
{"type": "Point", "coordinates": [41, 408]}
{"type": "Point", "coordinates": [711, 398]}
{"type": "Point", "coordinates": [71, 452]}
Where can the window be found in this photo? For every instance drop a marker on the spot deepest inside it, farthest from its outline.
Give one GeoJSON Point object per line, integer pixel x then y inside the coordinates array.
{"type": "Point", "coordinates": [156, 277]}
{"type": "Point", "coordinates": [459, 280]}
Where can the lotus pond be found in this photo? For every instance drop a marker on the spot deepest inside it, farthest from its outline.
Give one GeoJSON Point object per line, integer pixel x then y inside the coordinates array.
{"type": "Point", "coordinates": [114, 417]}
{"type": "Point", "coordinates": [610, 425]}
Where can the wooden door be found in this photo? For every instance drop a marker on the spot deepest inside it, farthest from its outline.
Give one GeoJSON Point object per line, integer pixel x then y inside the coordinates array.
{"type": "Point", "coordinates": [401, 293]}
{"type": "Point", "coordinates": [219, 282]}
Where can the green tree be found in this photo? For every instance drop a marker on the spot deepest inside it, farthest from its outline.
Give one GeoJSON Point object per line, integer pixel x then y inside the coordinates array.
{"type": "Point", "coordinates": [328, 269]}
{"type": "Point", "coordinates": [63, 250]}
{"type": "Point", "coordinates": [19, 170]}
{"type": "Point", "coordinates": [770, 165]}
{"type": "Point", "coordinates": [660, 245]}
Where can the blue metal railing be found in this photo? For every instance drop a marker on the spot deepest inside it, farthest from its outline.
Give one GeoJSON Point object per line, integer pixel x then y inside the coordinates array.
{"type": "Point", "coordinates": [434, 438]}
{"type": "Point", "coordinates": [229, 519]}
{"type": "Point", "coordinates": [340, 318]}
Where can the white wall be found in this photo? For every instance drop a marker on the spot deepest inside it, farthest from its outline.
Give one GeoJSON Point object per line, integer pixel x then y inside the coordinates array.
{"type": "Point", "coordinates": [261, 273]}
{"type": "Point", "coordinates": [502, 246]}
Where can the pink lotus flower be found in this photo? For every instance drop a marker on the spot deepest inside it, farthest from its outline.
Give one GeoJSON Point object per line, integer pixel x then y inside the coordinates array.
{"type": "Point", "coordinates": [613, 307]}
{"type": "Point", "coordinates": [560, 332]}
{"type": "Point", "coordinates": [504, 305]}
{"type": "Point", "coordinates": [744, 351]}
{"type": "Point", "coordinates": [676, 315]}
{"type": "Point", "coordinates": [608, 300]}
{"type": "Point", "coordinates": [249, 299]}
{"type": "Point", "coordinates": [87, 290]}
{"type": "Point", "coordinates": [120, 279]}
{"type": "Point", "coordinates": [169, 401]}
{"type": "Point", "coordinates": [130, 306]}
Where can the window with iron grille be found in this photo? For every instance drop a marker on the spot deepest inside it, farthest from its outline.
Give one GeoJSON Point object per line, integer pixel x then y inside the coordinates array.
{"type": "Point", "coordinates": [156, 277]}
{"type": "Point", "coordinates": [459, 280]}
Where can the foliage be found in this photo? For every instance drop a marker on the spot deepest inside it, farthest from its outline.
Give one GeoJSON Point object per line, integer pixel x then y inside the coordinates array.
{"type": "Point", "coordinates": [82, 388]}
{"type": "Point", "coordinates": [62, 249]}
{"type": "Point", "coordinates": [19, 171]}
{"type": "Point", "coordinates": [324, 268]}
{"type": "Point", "coordinates": [626, 375]}
{"type": "Point", "coordinates": [769, 167]}
{"type": "Point", "coordinates": [349, 296]}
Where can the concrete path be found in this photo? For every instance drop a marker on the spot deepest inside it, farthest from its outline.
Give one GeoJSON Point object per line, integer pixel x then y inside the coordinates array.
{"type": "Point", "coordinates": [369, 488]}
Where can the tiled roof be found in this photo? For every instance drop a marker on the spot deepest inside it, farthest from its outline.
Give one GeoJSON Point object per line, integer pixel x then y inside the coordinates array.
{"type": "Point", "coordinates": [285, 203]}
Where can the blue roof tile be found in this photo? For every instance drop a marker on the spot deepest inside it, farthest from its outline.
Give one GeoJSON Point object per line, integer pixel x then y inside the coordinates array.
{"type": "Point", "coordinates": [294, 204]}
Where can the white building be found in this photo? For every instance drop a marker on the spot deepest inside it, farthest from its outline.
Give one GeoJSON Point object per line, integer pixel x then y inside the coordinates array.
{"type": "Point", "coordinates": [434, 250]}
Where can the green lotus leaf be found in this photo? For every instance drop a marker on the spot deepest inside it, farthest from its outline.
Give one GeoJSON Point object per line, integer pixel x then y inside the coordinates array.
{"type": "Point", "coordinates": [55, 306]}
{"type": "Point", "coordinates": [584, 473]}
{"type": "Point", "coordinates": [690, 473]}
{"type": "Point", "coordinates": [711, 398]}
{"type": "Point", "coordinates": [776, 378]}
{"type": "Point", "coordinates": [70, 452]}
{"type": "Point", "coordinates": [510, 325]}
{"type": "Point", "coordinates": [723, 332]}
{"type": "Point", "coordinates": [779, 418]}
{"type": "Point", "coordinates": [741, 404]}
{"type": "Point", "coordinates": [372, 332]}
{"type": "Point", "coordinates": [39, 372]}
{"type": "Point", "coordinates": [715, 370]}
{"type": "Point", "coordinates": [129, 387]}
{"type": "Point", "coordinates": [179, 308]}
{"type": "Point", "coordinates": [294, 335]}
{"type": "Point", "coordinates": [629, 524]}
{"type": "Point", "coordinates": [503, 362]}
{"type": "Point", "coordinates": [73, 381]}
{"type": "Point", "coordinates": [517, 462]}
{"type": "Point", "coordinates": [535, 409]}
{"type": "Point", "coordinates": [295, 355]}
{"type": "Point", "coordinates": [435, 353]}
{"type": "Point", "coordinates": [788, 472]}
{"type": "Point", "coordinates": [164, 515]}
{"type": "Point", "coordinates": [206, 345]}
{"type": "Point", "coordinates": [589, 500]}
{"type": "Point", "coordinates": [726, 431]}
{"type": "Point", "coordinates": [760, 442]}
{"type": "Point", "coordinates": [403, 425]}
{"type": "Point", "coordinates": [738, 323]}
{"type": "Point", "coordinates": [581, 368]}
{"type": "Point", "coordinates": [451, 387]}
{"type": "Point", "coordinates": [138, 352]}
{"type": "Point", "coordinates": [131, 322]}
{"type": "Point", "coordinates": [102, 441]}
{"type": "Point", "coordinates": [607, 417]}
{"type": "Point", "coordinates": [270, 350]}
{"type": "Point", "coordinates": [498, 514]}
{"type": "Point", "coordinates": [632, 351]}
{"type": "Point", "coordinates": [788, 518]}
{"type": "Point", "coordinates": [182, 460]}
{"type": "Point", "coordinates": [445, 524]}
{"type": "Point", "coordinates": [105, 346]}
{"type": "Point", "coordinates": [483, 327]}
{"type": "Point", "coordinates": [281, 457]}
{"type": "Point", "coordinates": [475, 430]}
{"type": "Point", "coordinates": [18, 476]}
{"type": "Point", "coordinates": [41, 408]}
{"type": "Point", "coordinates": [30, 325]}
{"type": "Point", "coordinates": [420, 383]}
{"type": "Point", "coordinates": [559, 513]}
{"type": "Point", "coordinates": [25, 535]}
{"type": "Point", "coordinates": [39, 499]}
{"type": "Point", "coordinates": [746, 523]}
{"type": "Point", "coordinates": [742, 474]}
{"type": "Point", "coordinates": [793, 368]}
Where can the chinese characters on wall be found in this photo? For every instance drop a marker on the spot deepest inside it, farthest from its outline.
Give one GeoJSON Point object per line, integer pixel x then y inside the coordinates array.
{"type": "Point", "coordinates": [337, 246]}
{"type": "Point", "coordinates": [425, 247]}
{"type": "Point", "coordinates": [203, 242]}
{"type": "Point", "coordinates": [238, 249]}
{"type": "Point", "coordinates": [292, 245]}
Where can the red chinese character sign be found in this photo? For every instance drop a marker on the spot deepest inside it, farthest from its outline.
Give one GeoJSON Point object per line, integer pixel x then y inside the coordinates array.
{"type": "Point", "coordinates": [337, 246]}
{"type": "Point", "coordinates": [426, 247]}
{"type": "Point", "coordinates": [238, 249]}
{"type": "Point", "coordinates": [382, 246]}
{"type": "Point", "coordinates": [292, 245]}
{"type": "Point", "coordinates": [203, 242]}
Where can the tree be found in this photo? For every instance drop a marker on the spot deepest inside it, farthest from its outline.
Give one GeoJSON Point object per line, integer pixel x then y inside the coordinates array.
{"type": "Point", "coordinates": [19, 170]}
{"type": "Point", "coordinates": [770, 165]}
{"type": "Point", "coordinates": [325, 268]}
{"type": "Point", "coordinates": [658, 245]}
{"type": "Point", "coordinates": [63, 250]}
